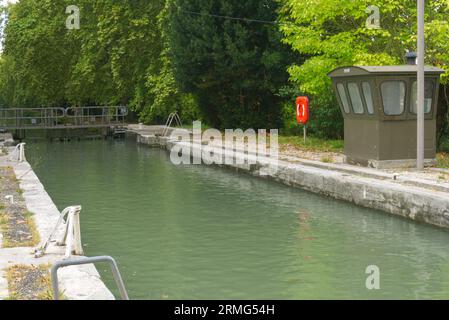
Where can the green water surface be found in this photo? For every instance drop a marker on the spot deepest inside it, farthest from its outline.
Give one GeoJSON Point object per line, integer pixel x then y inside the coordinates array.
{"type": "Point", "coordinates": [199, 232]}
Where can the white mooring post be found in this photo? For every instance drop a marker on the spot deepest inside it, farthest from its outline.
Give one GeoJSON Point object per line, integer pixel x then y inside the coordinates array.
{"type": "Point", "coordinates": [10, 197]}
{"type": "Point", "coordinates": [78, 247]}
{"type": "Point", "coordinates": [69, 236]}
{"type": "Point", "coordinates": [72, 235]}
{"type": "Point", "coordinates": [22, 152]}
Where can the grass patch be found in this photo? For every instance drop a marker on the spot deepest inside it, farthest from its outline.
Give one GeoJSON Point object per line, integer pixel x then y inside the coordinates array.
{"type": "Point", "coordinates": [3, 223]}
{"type": "Point", "coordinates": [16, 223]}
{"type": "Point", "coordinates": [6, 243]}
{"type": "Point", "coordinates": [443, 160]}
{"type": "Point", "coordinates": [35, 236]}
{"type": "Point", "coordinates": [3, 229]}
{"type": "Point", "coordinates": [327, 160]}
{"type": "Point", "coordinates": [312, 143]}
{"type": "Point", "coordinates": [29, 282]}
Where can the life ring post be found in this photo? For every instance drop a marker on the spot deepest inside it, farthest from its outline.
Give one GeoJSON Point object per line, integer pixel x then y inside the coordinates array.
{"type": "Point", "coordinates": [302, 113]}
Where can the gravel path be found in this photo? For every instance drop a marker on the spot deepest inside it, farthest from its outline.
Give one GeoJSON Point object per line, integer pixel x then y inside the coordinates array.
{"type": "Point", "coordinates": [17, 224]}
{"type": "Point", "coordinates": [287, 151]}
{"type": "Point", "coordinates": [29, 282]}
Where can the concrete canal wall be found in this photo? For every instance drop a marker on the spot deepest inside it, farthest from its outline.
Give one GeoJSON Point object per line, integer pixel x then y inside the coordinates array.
{"type": "Point", "coordinates": [402, 195]}
{"type": "Point", "coordinates": [76, 282]}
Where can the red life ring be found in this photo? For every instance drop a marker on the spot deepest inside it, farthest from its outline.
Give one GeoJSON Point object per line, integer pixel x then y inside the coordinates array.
{"type": "Point", "coordinates": [302, 110]}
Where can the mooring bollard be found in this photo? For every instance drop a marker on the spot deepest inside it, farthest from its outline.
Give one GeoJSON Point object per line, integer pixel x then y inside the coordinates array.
{"type": "Point", "coordinates": [18, 154]}
{"type": "Point", "coordinates": [22, 152]}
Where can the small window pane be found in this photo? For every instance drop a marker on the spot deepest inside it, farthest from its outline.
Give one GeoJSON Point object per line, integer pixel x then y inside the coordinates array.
{"type": "Point", "coordinates": [343, 97]}
{"type": "Point", "coordinates": [356, 98]}
{"type": "Point", "coordinates": [393, 97]}
{"type": "Point", "coordinates": [429, 91]}
{"type": "Point", "coordinates": [368, 97]}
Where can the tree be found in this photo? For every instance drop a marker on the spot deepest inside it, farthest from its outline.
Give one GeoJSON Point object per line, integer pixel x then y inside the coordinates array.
{"type": "Point", "coordinates": [234, 67]}
{"type": "Point", "coordinates": [35, 54]}
{"type": "Point", "coordinates": [164, 93]}
{"type": "Point", "coordinates": [119, 44]}
{"type": "Point", "coordinates": [118, 56]}
{"type": "Point", "coordinates": [333, 33]}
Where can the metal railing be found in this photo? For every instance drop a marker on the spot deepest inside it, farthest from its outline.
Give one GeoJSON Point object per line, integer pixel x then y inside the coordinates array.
{"type": "Point", "coordinates": [85, 260]}
{"type": "Point", "coordinates": [18, 154]}
{"type": "Point", "coordinates": [173, 116]}
{"type": "Point", "coordinates": [60, 118]}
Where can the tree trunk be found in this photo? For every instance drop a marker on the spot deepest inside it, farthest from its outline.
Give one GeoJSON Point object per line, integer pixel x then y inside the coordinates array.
{"type": "Point", "coordinates": [442, 116]}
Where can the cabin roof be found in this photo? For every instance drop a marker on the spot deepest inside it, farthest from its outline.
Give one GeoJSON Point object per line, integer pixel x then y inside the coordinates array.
{"type": "Point", "coordinates": [381, 70]}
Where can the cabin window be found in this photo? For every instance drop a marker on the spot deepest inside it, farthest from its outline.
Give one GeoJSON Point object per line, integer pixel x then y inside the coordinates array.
{"type": "Point", "coordinates": [343, 96]}
{"type": "Point", "coordinates": [356, 98]}
{"type": "Point", "coordinates": [428, 97]}
{"type": "Point", "coordinates": [366, 88]}
{"type": "Point", "coordinates": [393, 97]}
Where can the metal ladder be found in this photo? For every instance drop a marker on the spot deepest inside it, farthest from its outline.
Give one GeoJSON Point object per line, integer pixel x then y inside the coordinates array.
{"type": "Point", "coordinates": [168, 123]}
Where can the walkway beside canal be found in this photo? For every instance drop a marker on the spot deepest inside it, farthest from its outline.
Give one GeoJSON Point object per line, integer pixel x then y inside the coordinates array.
{"type": "Point", "coordinates": [420, 196]}
{"type": "Point", "coordinates": [77, 282]}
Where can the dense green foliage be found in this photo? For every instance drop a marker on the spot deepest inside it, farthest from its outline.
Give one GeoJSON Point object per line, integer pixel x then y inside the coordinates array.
{"type": "Point", "coordinates": [118, 56]}
{"type": "Point", "coordinates": [208, 59]}
{"type": "Point", "coordinates": [36, 54]}
{"type": "Point", "coordinates": [129, 52]}
{"type": "Point", "coordinates": [234, 67]}
{"type": "Point", "coordinates": [333, 33]}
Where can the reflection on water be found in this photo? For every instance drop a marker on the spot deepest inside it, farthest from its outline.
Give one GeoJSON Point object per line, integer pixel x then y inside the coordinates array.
{"type": "Point", "coordinates": [197, 232]}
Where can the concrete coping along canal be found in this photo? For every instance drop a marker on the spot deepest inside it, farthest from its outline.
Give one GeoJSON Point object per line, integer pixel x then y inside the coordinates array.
{"type": "Point", "coordinates": [76, 282]}
{"type": "Point", "coordinates": [403, 194]}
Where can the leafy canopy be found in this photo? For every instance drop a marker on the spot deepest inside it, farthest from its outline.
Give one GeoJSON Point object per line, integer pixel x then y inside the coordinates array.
{"type": "Point", "coordinates": [234, 67]}
{"type": "Point", "coordinates": [333, 33]}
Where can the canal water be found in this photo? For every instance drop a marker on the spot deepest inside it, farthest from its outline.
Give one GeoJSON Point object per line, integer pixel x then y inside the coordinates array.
{"type": "Point", "coordinates": [198, 232]}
